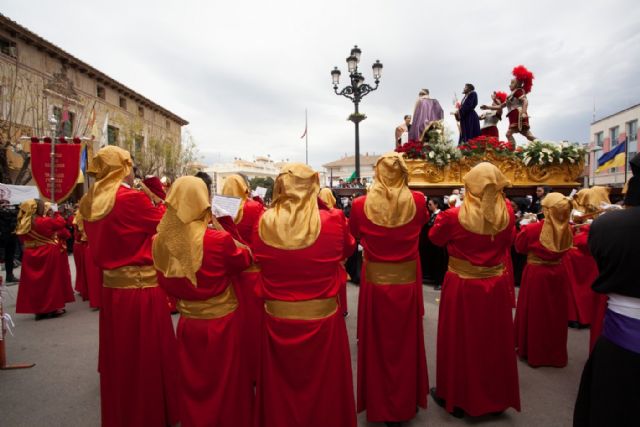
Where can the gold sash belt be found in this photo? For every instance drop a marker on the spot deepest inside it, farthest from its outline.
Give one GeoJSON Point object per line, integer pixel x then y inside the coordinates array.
{"type": "Point", "coordinates": [312, 309]}
{"type": "Point", "coordinates": [390, 273]}
{"type": "Point", "coordinates": [38, 240]}
{"type": "Point", "coordinates": [30, 244]}
{"type": "Point", "coordinates": [130, 277]}
{"type": "Point", "coordinates": [212, 308]}
{"type": "Point", "coordinates": [533, 259]}
{"type": "Point", "coordinates": [253, 268]}
{"type": "Point", "coordinates": [466, 270]}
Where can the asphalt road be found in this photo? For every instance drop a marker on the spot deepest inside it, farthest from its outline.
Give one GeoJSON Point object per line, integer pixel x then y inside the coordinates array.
{"type": "Point", "coordinates": [63, 388]}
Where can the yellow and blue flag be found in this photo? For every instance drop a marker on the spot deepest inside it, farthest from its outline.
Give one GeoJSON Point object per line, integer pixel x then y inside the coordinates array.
{"type": "Point", "coordinates": [614, 158]}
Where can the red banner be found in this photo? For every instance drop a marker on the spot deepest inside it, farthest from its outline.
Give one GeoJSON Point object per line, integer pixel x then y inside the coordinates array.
{"type": "Point", "coordinates": [66, 164]}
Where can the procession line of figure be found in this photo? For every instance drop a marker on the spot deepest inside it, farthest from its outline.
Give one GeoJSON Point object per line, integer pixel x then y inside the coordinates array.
{"type": "Point", "coordinates": [262, 340]}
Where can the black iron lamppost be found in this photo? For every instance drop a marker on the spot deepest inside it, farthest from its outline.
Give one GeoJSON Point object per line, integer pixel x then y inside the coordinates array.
{"type": "Point", "coordinates": [357, 90]}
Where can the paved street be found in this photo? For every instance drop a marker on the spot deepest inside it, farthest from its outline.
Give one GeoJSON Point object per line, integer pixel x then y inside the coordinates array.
{"type": "Point", "coordinates": [63, 388]}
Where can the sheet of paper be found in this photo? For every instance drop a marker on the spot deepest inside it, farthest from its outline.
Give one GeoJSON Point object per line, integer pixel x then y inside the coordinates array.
{"type": "Point", "coordinates": [260, 191]}
{"type": "Point", "coordinates": [225, 206]}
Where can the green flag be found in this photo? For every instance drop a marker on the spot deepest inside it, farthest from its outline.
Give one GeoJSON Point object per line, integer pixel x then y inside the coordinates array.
{"type": "Point", "coordinates": [352, 177]}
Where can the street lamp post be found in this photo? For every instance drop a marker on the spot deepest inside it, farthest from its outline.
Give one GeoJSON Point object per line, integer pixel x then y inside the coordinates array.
{"type": "Point", "coordinates": [355, 91]}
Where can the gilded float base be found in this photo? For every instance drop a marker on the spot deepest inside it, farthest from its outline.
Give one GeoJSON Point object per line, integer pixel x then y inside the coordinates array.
{"type": "Point", "coordinates": [425, 174]}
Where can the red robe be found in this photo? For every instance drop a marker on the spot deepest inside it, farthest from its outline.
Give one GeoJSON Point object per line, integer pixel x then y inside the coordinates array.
{"type": "Point", "coordinates": [245, 285]}
{"type": "Point", "coordinates": [214, 389]}
{"type": "Point", "coordinates": [582, 271]}
{"type": "Point", "coordinates": [597, 305]}
{"type": "Point", "coordinates": [45, 282]}
{"type": "Point", "coordinates": [541, 316]}
{"type": "Point", "coordinates": [137, 358]}
{"type": "Point", "coordinates": [476, 367]}
{"type": "Point", "coordinates": [305, 376]}
{"type": "Point", "coordinates": [342, 294]}
{"type": "Point", "coordinates": [392, 364]}
{"type": "Point", "coordinates": [79, 253]}
{"type": "Point", "coordinates": [93, 277]}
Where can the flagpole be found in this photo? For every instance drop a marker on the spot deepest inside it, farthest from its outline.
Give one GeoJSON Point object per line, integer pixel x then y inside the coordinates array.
{"type": "Point", "coordinates": [306, 138]}
{"type": "Point", "coordinates": [626, 156]}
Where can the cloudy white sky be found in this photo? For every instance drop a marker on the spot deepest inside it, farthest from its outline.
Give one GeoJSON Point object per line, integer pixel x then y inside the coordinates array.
{"type": "Point", "coordinates": [243, 72]}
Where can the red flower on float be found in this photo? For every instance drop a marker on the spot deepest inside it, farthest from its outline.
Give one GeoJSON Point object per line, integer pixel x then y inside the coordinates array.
{"type": "Point", "coordinates": [35, 139]}
{"type": "Point", "coordinates": [47, 140]}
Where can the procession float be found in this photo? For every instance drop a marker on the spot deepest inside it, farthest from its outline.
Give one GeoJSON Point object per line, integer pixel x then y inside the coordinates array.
{"type": "Point", "coordinates": [436, 165]}
{"type": "Point", "coordinates": [434, 162]}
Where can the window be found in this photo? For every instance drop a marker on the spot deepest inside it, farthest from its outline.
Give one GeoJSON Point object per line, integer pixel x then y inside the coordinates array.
{"type": "Point", "coordinates": [64, 126]}
{"type": "Point", "coordinates": [599, 139]}
{"type": "Point", "coordinates": [167, 124]}
{"type": "Point", "coordinates": [123, 102]}
{"type": "Point", "coordinates": [100, 92]}
{"type": "Point", "coordinates": [138, 144]}
{"type": "Point", "coordinates": [112, 135]}
{"type": "Point", "coordinates": [613, 136]}
{"type": "Point", "coordinates": [8, 48]}
{"type": "Point", "coordinates": [140, 111]}
{"type": "Point", "coordinates": [632, 130]}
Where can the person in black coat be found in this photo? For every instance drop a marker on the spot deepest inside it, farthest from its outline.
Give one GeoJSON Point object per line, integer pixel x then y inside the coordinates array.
{"type": "Point", "coordinates": [434, 259]}
{"type": "Point", "coordinates": [609, 393]}
{"type": "Point", "coordinates": [8, 239]}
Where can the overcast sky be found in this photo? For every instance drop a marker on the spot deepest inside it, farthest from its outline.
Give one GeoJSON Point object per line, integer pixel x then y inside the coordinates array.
{"type": "Point", "coordinates": [243, 72]}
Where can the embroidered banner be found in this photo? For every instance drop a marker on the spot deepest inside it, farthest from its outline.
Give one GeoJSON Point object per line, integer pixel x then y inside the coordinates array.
{"type": "Point", "coordinates": [66, 164]}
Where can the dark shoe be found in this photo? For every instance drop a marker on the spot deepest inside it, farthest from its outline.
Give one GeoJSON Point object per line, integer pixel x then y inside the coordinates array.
{"type": "Point", "coordinates": [57, 313]}
{"type": "Point", "coordinates": [393, 424]}
{"type": "Point", "coordinates": [437, 288]}
{"type": "Point", "coordinates": [12, 279]}
{"type": "Point", "coordinates": [42, 316]}
{"type": "Point", "coordinates": [440, 401]}
{"type": "Point", "coordinates": [497, 414]}
{"type": "Point", "coordinates": [574, 325]}
{"type": "Point", "coordinates": [457, 412]}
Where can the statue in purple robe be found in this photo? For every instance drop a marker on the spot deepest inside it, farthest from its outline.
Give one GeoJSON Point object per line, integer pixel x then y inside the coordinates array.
{"type": "Point", "coordinates": [467, 116]}
{"type": "Point", "coordinates": [427, 110]}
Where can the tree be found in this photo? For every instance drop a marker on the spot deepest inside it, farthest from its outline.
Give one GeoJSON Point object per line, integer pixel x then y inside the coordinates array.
{"type": "Point", "coordinates": [157, 154]}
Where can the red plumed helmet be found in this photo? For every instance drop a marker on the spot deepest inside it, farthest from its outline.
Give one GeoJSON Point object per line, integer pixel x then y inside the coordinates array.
{"type": "Point", "coordinates": [524, 76]}
{"type": "Point", "coordinates": [501, 96]}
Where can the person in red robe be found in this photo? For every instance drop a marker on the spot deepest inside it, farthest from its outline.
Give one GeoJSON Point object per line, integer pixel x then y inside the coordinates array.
{"type": "Point", "coordinates": [305, 377]}
{"type": "Point", "coordinates": [195, 265]}
{"type": "Point", "coordinates": [476, 367]}
{"type": "Point", "coordinates": [392, 364]}
{"type": "Point", "coordinates": [541, 315]}
{"type": "Point", "coordinates": [87, 272]}
{"type": "Point", "coordinates": [45, 282]}
{"type": "Point", "coordinates": [581, 267]}
{"type": "Point", "coordinates": [137, 356]}
{"type": "Point", "coordinates": [591, 305]}
{"type": "Point", "coordinates": [250, 304]}
{"type": "Point", "coordinates": [328, 201]}
{"type": "Point", "coordinates": [79, 253]}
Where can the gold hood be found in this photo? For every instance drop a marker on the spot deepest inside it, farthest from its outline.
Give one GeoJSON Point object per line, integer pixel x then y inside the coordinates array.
{"type": "Point", "coordinates": [111, 165]}
{"type": "Point", "coordinates": [484, 210]}
{"type": "Point", "coordinates": [389, 202]}
{"type": "Point", "coordinates": [293, 221]}
{"type": "Point", "coordinates": [177, 248]}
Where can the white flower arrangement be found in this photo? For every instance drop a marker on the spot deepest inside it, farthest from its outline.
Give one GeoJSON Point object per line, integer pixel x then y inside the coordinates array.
{"type": "Point", "coordinates": [547, 152]}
